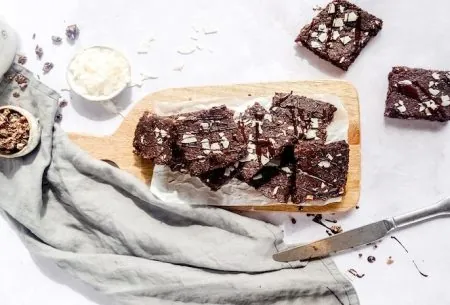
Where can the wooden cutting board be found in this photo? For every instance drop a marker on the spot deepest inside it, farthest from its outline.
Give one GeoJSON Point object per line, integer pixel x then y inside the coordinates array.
{"type": "Point", "coordinates": [118, 147]}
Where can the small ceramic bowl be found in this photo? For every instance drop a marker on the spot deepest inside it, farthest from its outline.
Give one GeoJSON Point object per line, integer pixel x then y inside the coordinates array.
{"type": "Point", "coordinates": [76, 88]}
{"type": "Point", "coordinates": [35, 133]}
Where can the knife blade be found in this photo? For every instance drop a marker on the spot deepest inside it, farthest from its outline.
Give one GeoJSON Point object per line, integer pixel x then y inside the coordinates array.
{"type": "Point", "coordinates": [353, 238]}
{"type": "Point", "coordinates": [362, 235]}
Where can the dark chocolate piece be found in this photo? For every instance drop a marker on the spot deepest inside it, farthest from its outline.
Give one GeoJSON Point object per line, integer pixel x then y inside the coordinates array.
{"type": "Point", "coordinates": [418, 94]}
{"type": "Point", "coordinates": [209, 139]}
{"type": "Point", "coordinates": [310, 117]}
{"type": "Point", "coordinates": [267, 136]}
{"type": "Point", "coordinates": [339, 33]}
{"type": "Point", "coordinates": [321, 171]}
{"type": "Point", "coordinates": [154, 137]}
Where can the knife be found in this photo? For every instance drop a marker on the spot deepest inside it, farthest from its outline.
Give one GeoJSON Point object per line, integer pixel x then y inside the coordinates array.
{"type": "Point", "coordinates": [362, 235]}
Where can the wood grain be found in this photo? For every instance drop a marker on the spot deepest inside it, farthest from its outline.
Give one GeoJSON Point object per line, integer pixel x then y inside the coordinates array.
{"type": "Point", "coordinates": [118, 147]}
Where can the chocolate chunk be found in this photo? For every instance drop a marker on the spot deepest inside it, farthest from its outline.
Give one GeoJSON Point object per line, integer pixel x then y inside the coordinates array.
{"type": "Point", "coordinates": [267, 136]}
{"type": "Point", "coordinates": [22, 60]}
{"type": "Point", "coordinates": [39, 52]}
{"type": "Point", "coordinates": [14, 131]}
{"type": "Point", "coordinates": [48, 66]}
{"type": "Point", "coordinates": [72, 32]}
{"type": "Point", "coordinates": [310, 117]}
{"type": "Point", "coordinates": [153, 138]}
{"type": "Point", "coordinates": [321, 171]}
{"type": "Point", "coordinates": [339, 33]}
{"type": "Point", "coordinates": [418, 94]}
{"type": "Point", "coordinates": [209, 139]}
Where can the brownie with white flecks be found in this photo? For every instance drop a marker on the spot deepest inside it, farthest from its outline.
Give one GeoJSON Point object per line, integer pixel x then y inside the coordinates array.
{"type": "Point", "coordinates": [339, 33]}
{"type": "Point", "coordinates": [154, 137]}
{"type": "Point", "coordinates": [321, 171]}
{"type": "Point", "coordinates": [217, 178]}
{"type": "Point", "coordinates": [310, 118]}
{"type": "Point", "coordinates": [209, 139]}
{"type": "Point", "coordinates": [268, 133]}
{"type": "Point", "coordinates": [418, 94]}
{"type": "Point", "coordinates": [277, 184]}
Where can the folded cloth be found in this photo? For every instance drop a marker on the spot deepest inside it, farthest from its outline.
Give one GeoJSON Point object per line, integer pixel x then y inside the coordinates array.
{"type": "Point", "coordinates": [105, 228]}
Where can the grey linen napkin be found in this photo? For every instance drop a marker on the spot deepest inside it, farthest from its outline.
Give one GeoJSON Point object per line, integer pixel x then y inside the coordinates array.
{"type": "Point", "coordinates": [105, 228]}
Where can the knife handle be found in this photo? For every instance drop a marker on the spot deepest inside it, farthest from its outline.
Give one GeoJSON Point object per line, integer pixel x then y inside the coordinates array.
{"type": "Point", "coordinates": [442, 208]}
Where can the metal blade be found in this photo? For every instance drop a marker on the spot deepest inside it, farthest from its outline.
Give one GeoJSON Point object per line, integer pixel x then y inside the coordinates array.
{"type": "Point", "coordinates": [353, 238]}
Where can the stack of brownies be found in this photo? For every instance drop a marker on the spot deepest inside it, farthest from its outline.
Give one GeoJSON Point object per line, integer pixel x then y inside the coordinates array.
{"type": "Point", "coordinates": [280, 151]}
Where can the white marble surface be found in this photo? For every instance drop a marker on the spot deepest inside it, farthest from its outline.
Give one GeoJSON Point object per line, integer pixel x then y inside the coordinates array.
{"type": "Point", "coordinates": [404, 164]}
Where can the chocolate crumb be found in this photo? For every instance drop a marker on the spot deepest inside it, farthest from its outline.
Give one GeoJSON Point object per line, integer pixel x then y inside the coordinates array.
{"type": "Point", "coordinates": [16, 94]}
{"type": "Point", "coordinates": [48, 66]}
{"type": "Point", "coordinates": [390, 261]}
{"type": "Point", "coordinates": [56, 39]}
{"type": "Point", "coordinates": [375, 246]}
{"type": "Point", "coordinates": [34, 36]}
{"type": "Point", "coordinates": [317, 8]}
{"type": "Point", "coordinates": [14, 131]}
{"type": "Point", "coordinates": [62, 103]}
{"type": "Point", "coordinates": [357, 207]}
{"type": "Point", "coordinates": [360, 255]}
{"type": "Point", "coordinates": [249, 94]}
{"type": "Point", "coordinates": [72, 32]}
{"type": "Point", "coordinates": [39, 52]}
{"type": "Point", "coordinates": [371, 259]}
{"type": "Point", "coordinates": [355, 273]}
{"type": "Point", "coordinates": [336, 229]}
{"type": "Point", "coordinates": [58, 117]}
{"type": "Point", "coordinates": [293, 221]}
{"type": "Point", "coordinates": [22, 60]}
{"type": "Point", "coordinates": [329, 233]}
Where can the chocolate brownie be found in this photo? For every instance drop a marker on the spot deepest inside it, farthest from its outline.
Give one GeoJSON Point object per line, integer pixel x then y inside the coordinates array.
{"type": "Point", "coordinates": [277, 186]}
{"type": "Point", "coordinates": [339, 33]}
{"type": "Point", "coordinates": [321, 171]}
{"type": "Point", "coordinates": [418, 94]}
{"type": "Point", "coordinates": [153, 138]}
{"type": "Point", "coordinates": [217, 178]}
{"type": "Point", "coordinates": [209, 139]}
{"type": "Point", "coordinates": [267, 136]}
{"type": "Point", "coordinates": [310, 117]}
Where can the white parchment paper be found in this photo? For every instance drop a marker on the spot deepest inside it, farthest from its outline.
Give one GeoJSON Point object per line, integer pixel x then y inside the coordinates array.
{"type": "Point", "coordinates": [183, 188]}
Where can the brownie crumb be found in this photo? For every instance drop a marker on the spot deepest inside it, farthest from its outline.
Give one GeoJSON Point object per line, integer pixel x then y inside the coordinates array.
{"type": "Point", "coordinates": [371, 259]}
{"type": "Point", "coordinates": [39, 52]}
{"type": "Point", "coordinates": [48, 66]}
{"type": "Point", "coordinates": [14, 131]}
{"type": "Point", "coordinates": [22, 60]}
{"type": "Point", "coordinates": [390, 261]}
{"type": "Point", "coordinates": [72, 32]}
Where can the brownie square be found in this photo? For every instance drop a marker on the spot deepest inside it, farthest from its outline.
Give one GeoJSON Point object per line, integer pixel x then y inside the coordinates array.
{"type": "Point", "coordinates": [154, 137]}
{"type": "Point", "coordinates": [310, 118]}
{"type": "Point", "coordinates": [268, 134]}
{"type": "Point", "coordinates": [418, 94]}
{"type": "Point", "coordinates": [339, 33]}
{"type": "Point", "coordinates": [277, 186]}
{"type": "Point", "coordinates": [209, 139]}
{"type": "Point", "coordinates": [321, 171]}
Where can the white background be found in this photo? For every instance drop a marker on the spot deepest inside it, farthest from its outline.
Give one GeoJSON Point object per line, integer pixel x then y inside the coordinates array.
{"type": "Point", "coordinates": [405, 165]}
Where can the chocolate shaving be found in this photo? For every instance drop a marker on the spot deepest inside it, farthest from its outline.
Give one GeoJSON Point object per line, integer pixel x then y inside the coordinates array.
{"type": "Point", "coordinates": [355, 273]}
{"type": "Point", "coordinates": [56, 39]}
{"type": "Point", "coordinates": [39, 52]}
{"type": "Point", "coordinates": [421, 273]}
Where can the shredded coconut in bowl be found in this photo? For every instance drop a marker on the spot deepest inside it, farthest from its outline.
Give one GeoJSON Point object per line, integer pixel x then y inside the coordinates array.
{"type": "Point", "coordinates": [99, 73]}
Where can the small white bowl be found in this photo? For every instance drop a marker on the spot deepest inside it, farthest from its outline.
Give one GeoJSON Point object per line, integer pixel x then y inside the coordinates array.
{"type": "Point", "coordinates": [35, 133]}
{"type": "Point", "coordinates": [76, 88]}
